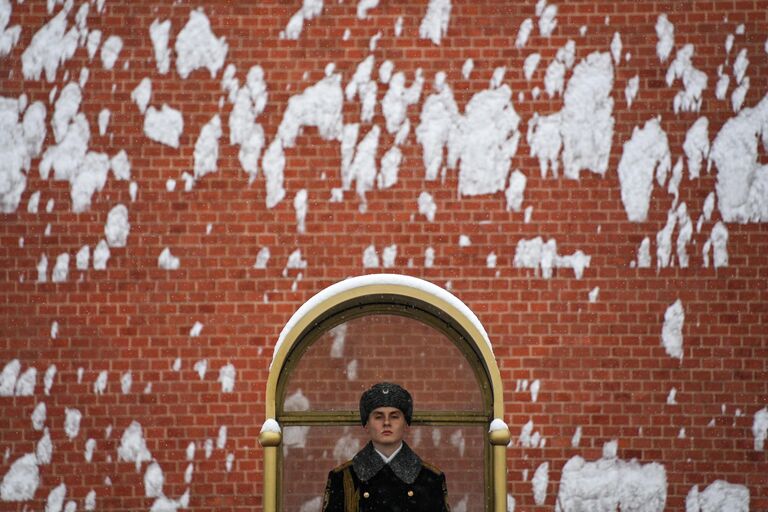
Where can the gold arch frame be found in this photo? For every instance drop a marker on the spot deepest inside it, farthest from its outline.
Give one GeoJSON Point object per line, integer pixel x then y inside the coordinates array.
{"type": "Point", "coordinates": [396, 290]}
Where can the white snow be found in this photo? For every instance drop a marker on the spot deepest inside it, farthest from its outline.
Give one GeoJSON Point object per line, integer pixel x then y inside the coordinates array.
{"type": "Point", "coordinates": [221, 439]}
{"type": "Point", "coordinates": [665, 31]}
{"type": "Point", "coordinates": [164, 126]}
{"type": "Point", "coordinates": [464, 241]}
{"type": "Point", "coordinates": [363, 168]}
{"type": "Point", "coordinates": [388, 255]}
{"type": "Point", "coordinates": [309, 9]}
{"type": "Point", "coordinates": [60, 269]}
{"type": "Point", "coordinates": [530, 65]}
{"type": "Point", "coordinates": [20, 141]}
{"type": "Point", "coordinates": [370, 257]}
{"type": "Point", "coordinates": [742, 183]}
{"type": "Point", "coordinates": [227, 375]}
{"type": "Point", "coordinates": [250, 101]}
{"type": "Point", "coordinates": [159, 33]}
{"type": "Point", "coordinates": [110, 50]}
{"type": "Point", "coordinates": [429, 257]}
{"type": "Point", "coordinates": [545, 141]}
{"type": "Point", "coordinates": [498, 425]}
{"type": "Point", "coordinates": [196, 329]}
{"type": "Point", "coordinates": [168, 261]}
{"type": "Point", "coordinates": [696, 145]}
{"type": "Point", "coordinates": [630, 91]}
{"type": "Point", "coordinates": [197, 47]}
{"type": "Point", "coordinates": [739, 95]}
{"type": "Point", "coordinates": [207, 148]}
{"type": "Point", "coordinates": [93, 42]}
{"type": "Point", "coordinates": [439, 113]}
{"type": "Point", "coordinates": [672, 330]}
{"type": "Point", "coordinates": [42, 269]}
{"type": "Point", "coordinates": [740, 66]}
{"type": "Point", "coordinates": [718, 240]}
{"type": "Point", "coordinates": [8, 36]}
{"type": "Point", "coordinates": [133, 447]}
{"type": "Point", "coordinates": [398, 98]}
{"type": "Point", "coordinates": [363, 6]}
{"type": "Point", "coordinates": [646, 153]}
{"type": "Point", "coordinates": [51, 46]}
{"type": "Point", "coordinates": [101, 255]}
{"type": "Point", "coordinates": [153, 481]}
{"type": "Point", "coordinates": [548, 20]}
{"type": "Point", "coordinates": [760, 428]}
{"type": "Point", "coordinates": [90, 445]}
{"type": "Point", "coordinates": [103, 121]}
{"type": "Point", "coordinates": [33, 203]}
{"type": "Point", "coordinates": [229, 462]}
{"type": "Point", "coordinates": [72, 422]}
{"type": "Point", "coordinates": [554, 77]}
{"type": "Point", "coordinates": [300, 205]}
{"type": "Point", "coordinates": [270, 425]}
{"type": "Point", "coordinates": [694, 81]}
{"type": "Point", "coordinates": [485, 139]}
{"type": "Point", "coordinates": [523, 33]}
{"type": "Point", "coordinates": [576, 439]}
{"type": "Point", "coordinates": [142, 94]}
{"type": "Point", "coordinates": [90, 501]}
{"type": "Point", "coordinates": [434, 25]}
{"type": "Point", "coordinates": [594, 294]}
{"type": "Point", "coordinates": [56, 497]}
{"type": "Point", "coordinates": [25, 385]}
{"type": "Point", "coordinates": [611, 484]}
{"type": "Point", "coordinates": [540, 482]}
{"type": "Point", "coordinates": [50, 374]}
{"type": "Point", "coordinates": [117, 227]}
{"type": "Point", "coordinates": [44, 448]}
{"type": "Point", "coordinates": [671, 397]}
{"type": "Point", "coordinates": [516, 190]}
{"type": "Point", "coordinates": [536, 254]}
{"type": "Point", "coordinates": [616, 48]}
{"type": "Point", "coordinates": [466, 69]}
{"type": "Point", "coordinates": [201, 367]}
{"type": "Point", "coordinates": [38, 416]}
{"type": "Point", "coordinates": [427, 206]}
{"type": "Point", "coordinates": [121, 166]}
{"type": "Point", "coordinates": [100, 384]}
{"type": "Point", "coordinates": [8, 377]}
{"type": "Point", "coordinates": [719, 496]}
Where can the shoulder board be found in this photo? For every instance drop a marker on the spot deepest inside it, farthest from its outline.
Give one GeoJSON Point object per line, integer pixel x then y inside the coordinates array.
{"type": "Point", "coordinates": [431, 468]}
{"type": "Point", "coordinates": [342, 467]}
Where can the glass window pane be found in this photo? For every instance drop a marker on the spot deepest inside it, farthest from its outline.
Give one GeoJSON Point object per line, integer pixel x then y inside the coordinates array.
{"type": "Point", "coordinates": [311, 452]}
{"type": "Point", "coordinates": [349, 358]}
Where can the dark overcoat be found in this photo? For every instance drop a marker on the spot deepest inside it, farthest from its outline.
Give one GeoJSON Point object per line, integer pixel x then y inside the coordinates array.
{"type": "Point", "coordinates": [367, 484]}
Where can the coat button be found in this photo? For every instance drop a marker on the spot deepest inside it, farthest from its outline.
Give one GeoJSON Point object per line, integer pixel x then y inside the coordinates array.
{"type": "Point", "coordinates": [366, 494]}
{"type": "Point", "coordinates": [410, 493]}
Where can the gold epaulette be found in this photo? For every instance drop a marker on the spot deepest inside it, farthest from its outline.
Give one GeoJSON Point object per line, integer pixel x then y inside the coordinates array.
{"type": "Point", "coordinates": [432, 468]}
{"type": "Point", "coordinates": [342, 467]}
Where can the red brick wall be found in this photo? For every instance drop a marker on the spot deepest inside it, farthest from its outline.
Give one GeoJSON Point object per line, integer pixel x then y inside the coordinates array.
{"type": "Point", "coordinates": [601, 365]}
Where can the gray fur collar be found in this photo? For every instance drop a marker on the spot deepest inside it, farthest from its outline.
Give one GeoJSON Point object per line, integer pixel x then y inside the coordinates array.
{"type": "Point", "coordinates": [406, 464]}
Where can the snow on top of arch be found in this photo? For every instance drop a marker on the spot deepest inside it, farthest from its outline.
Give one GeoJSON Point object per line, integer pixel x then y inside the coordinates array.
{"type": "Point", "coordinates": [377, 280]}
{"type": "Point", "coordinates": [197, 46]}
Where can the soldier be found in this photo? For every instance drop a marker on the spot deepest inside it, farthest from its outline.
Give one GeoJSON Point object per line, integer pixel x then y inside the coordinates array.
{"type": "Point", "coordinates": [386, 475]}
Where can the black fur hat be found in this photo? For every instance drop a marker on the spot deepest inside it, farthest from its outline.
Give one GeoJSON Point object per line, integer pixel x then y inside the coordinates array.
{"type": "Point", "coordinates": [385, 394]}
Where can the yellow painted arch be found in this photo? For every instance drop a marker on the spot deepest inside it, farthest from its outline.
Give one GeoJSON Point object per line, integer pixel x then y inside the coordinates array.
{"type": "Point", "coordinates": [403, 290]}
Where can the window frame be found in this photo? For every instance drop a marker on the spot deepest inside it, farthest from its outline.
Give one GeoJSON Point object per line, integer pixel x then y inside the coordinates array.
{"type": "Point", "coordinates": [395, 295]}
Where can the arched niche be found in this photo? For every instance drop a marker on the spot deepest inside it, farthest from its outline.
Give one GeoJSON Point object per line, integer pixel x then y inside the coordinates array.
{"type": "Point", "coordinates": [374, 307]}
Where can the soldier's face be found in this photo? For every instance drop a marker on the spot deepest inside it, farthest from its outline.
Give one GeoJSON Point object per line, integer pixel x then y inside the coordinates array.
{"type": "Point", "coordinates": [386, 427]}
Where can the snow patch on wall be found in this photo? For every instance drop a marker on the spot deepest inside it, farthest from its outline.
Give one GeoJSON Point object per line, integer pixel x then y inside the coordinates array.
{"type": "Point", "coordinates": [159, 33]}
{"type": "Point", "coordinates": [719, 496]}
{"type": "Point", "coordinates": [164, 126]}
{"type": "Point", "coordinates": [672, 330]}
{"type": "Point", "coordinates": [611, 484]}
{"type": "Point", "coordinates": [197, 47]}
{"type": "Point", "coordinates": [133, 447]}
{"type": "Point", "coordinates": [535, 254]}
{"type": "Point", "coordinates": [742, 183]}
{"type": "Point", "coordinates": [665, 31]}
{"type": "Point", "coordinates": [694, 81]}
{"type": "Point", "coordinates": [309, 9]}
{"type": "Point", "coordinates": [434, 25]}
{"type": "Point", "coordinates": [22, 479]}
